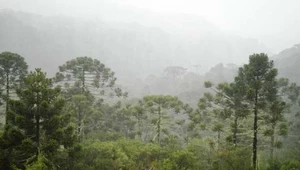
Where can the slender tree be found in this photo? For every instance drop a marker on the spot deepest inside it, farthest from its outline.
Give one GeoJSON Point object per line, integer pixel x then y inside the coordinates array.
{"type": "Point", "coordinates": [139, 113]}
{"type": "Point", "coordinates": [231, 99]}
{"type": "Point", "coordinates": [259, 76]}
{"type": "Point", "coordinates": [287, 121]}
{"type": "Point", "coordinates": [13, 69]}
{"type": "Point", "coordinates": [213, 116]}
{"type": "Point", "coordinates": [159, 106]}
{"type": "Point", "coordinates": [273, 118]}
{"type": "Point", "coordinates": [174, 72]}
{"type": "Point", "coordinates": [117, 119]}
{"type": "Point", "coordinates": [80, 108]}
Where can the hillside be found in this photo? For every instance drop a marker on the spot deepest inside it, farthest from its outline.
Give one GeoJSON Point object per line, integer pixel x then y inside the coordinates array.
{"type": "Point", "coordinates": [288, 62]}
{"type": "Point", "coordinates": [131, 49]}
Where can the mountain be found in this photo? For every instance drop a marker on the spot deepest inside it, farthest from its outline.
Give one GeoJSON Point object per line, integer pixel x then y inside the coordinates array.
{"type": "Point", "coordinates": [288, 63]}
{"type": "Point", "coordinates": [129, 48]}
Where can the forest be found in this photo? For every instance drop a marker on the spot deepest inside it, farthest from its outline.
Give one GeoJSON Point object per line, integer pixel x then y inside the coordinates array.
{"type": "Point", "coordinates": [82, 119]}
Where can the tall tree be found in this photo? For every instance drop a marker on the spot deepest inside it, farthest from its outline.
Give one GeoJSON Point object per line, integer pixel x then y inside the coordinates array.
{"type": "Point", "coordinates": [259, 76]}
{"type": "Point", "coordinates": [274, 118]}
{"type": "Point", "coordinates": [160, 108]}
{"type": "Point", "coordinates": [84, 81]}
{"type": "Point", "coordinates": [117, 120]}
{"type": "Point", "coordinates": [37, 120]}
{"type": "Point", "coordinates": [80, 108]}
{"type": "Point", "coordinates": [139, 113]}
{"type": "Point", "coordinates": [212, 116]}
{"type": "Point", "coordinates": [291, 95]}
{"type": "Point", "coordinates": [13, 69]}
{"type": "Point", "coordinates": [174, 72]}
{"type": "Point", "coordinates": [231, 99]}
{"type": "Point", "coordinates": [88, 74]}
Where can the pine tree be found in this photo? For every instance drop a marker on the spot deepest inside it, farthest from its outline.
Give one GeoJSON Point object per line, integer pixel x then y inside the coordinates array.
{"type": "Point", "coordinates": [159, 106]}
{"type": "Point", "coordinates": [229, 102]}
{"type": "Point", "coordinates": [88, 74]}
{"type": "Point", "coordinates": [36, 123]}
{"type": "Point", "coordinates": [13, 69]}
{"type": "Point", "coordinates": [259, 77]}
{"type": "Point", "coordinates": [86, 82]}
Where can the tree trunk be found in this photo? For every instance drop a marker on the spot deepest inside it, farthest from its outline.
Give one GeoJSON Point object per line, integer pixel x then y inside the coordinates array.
{"type": "Point", "coordinates": [80, 132]}
{"type": "Point", "coordinates": [219, 138]}
{"type": "Point", "coordinates": [79, 126]}
{"type": "Point", "coordinates": [255, 127]}
{"type": "Point", "coordinates": [37, 118]}
{"type": "Point", "coordinates": [218, 148]}
{"type": "Point", "coordinates": [158, 125]}
{"type": "Point", "coordinates": [83, 81]}
{"type": "Point", "coordinates": [235, 131]}
{"type": "Point", "coordinates": [7, 96]}
{"type": "Point", "coordinates": [139, 128]}
{"type": "Point", "coordinates": [272, 141]}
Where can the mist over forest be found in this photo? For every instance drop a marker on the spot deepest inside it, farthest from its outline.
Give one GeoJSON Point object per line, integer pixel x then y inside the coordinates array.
{"type": "Point", "coordinates": [126, 47]}
{"type": "Point", "coordinates": [135, 85]}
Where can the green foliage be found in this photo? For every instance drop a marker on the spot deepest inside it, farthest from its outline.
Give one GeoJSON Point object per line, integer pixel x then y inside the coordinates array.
{"type": "Point", "coordinates": [204, 151]}
{"type": "Point", "coordinates": [39, 164]}
{"type": "Point", "coordinates": [161, 108]}
{"type": "Point", "coordinates": [208, 84]}
{"type": "Point", "coordinates": [261, 86]}
{"type": "Point", "coordinates": [80, 108]}
{"type": "Point", "coordinates": [274, 164]}
{"type": "Point", "coordinates": [88, 74]}
{"type": "Point", "coordinates": [13, 69]}
{"type": "Point", "coordinates": [115, 122]}
{"type": "Point", "coordinates": [130, 154]}
{"type": "Point", "coordinates": [77, 68]}
{"type": "Point", "coordinates": [226, 105]}
{"type": "Point", "coordinates": [36, 123]}
{"type": "Point", "coordinates": [234, 158]}
{"type": "Point", "coordinates": [86, 82]}
{"type": "Point", "coordinates": [74, 128]}
{"type": "Point", "coordinates": [290, 165]}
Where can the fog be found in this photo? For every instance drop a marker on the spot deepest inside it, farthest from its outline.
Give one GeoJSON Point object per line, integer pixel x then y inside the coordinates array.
{"type": "Point", "coordinates": [272, 22]}
{"type": "Point", "coordinates": [139, 38]}
{"type": "Point", "coordinates": [149, 84]}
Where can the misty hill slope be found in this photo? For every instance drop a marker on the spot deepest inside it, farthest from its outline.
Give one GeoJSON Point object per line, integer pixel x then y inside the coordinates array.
{"type": "Point", "coordinates": [288, 63]}
{"type": "Point", "coordinates": [128, 48]}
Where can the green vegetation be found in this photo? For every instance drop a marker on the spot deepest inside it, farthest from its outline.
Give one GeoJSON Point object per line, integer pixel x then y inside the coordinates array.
{"type": "Point", "coordinates": [82, 120]}
{"type": "Point", "coordinates": [13, 68]}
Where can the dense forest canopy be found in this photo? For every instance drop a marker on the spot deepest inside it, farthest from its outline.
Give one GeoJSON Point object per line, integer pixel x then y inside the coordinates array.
{"type": "Point", "coordinates": [138, 90]}
{"type": "Point", "coordinates": [68, 121]}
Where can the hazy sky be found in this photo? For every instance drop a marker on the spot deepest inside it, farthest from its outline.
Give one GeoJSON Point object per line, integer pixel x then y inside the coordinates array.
{"type": "Point", "coordinates": [273, 22]}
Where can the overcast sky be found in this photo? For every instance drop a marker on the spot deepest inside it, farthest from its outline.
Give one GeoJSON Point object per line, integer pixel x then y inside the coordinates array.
{"type": "Point", "coordinates": [275, 23]}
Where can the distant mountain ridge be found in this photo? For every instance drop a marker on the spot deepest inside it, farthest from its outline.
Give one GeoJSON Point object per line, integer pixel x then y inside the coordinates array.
{"type": "Point", "coordinates": [288, 63]}
{"type": "Point", "coordinates": [128, 48]}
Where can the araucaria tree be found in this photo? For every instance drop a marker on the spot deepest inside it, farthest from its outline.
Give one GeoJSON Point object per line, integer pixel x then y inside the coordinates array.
{"type": "Point", "coordinates": [88, 74]}
{"type": "Point", "coordinates": [84, 80]}
{"type": "Point", "coordinates": [36, 124]}
{"type": "Point", "coordinates": [159, 106]}
{"type": "Point", "coordinates": [227, 103]}
{"type": "Point", "coordinates": [13, 69]}
{"type": "Point", "coordinates": [259, 77]}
